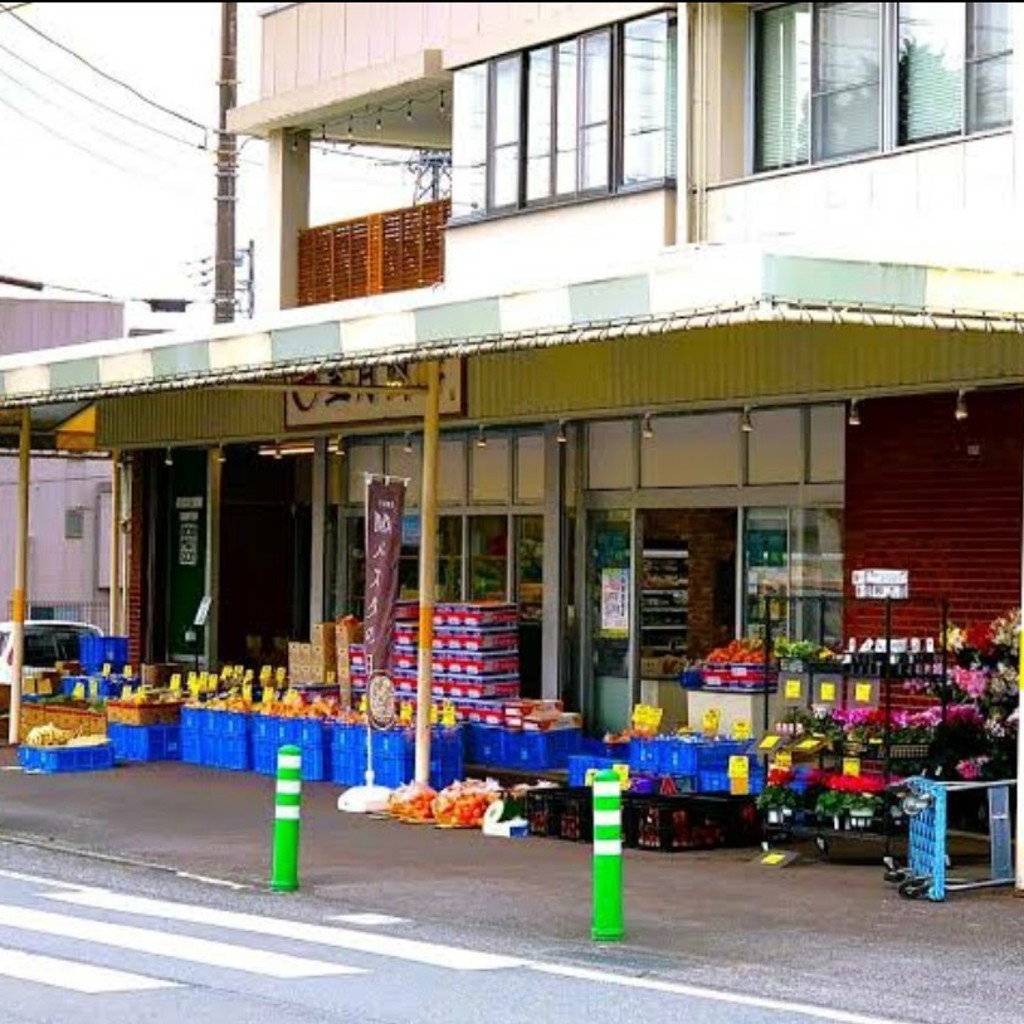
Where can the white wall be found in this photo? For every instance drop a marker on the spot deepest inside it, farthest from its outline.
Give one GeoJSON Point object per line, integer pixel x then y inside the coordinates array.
{"type": "Point", "coordinates": [539, 248]}
{"type": "Point", "coordinates": [940, 204]}
{"type": "Point", "coordinates": [58, 569]}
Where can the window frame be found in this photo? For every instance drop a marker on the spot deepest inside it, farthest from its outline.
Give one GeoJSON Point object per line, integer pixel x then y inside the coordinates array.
{"type": "Point", "coordinates": [889, 87]}
{"type": "Point", "coordinates": [615, 124]}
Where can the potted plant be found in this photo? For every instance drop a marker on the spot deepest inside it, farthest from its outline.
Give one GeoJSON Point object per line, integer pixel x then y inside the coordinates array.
{"type": "Point", "coordinates": [831, 806]}
{"type": "Point", "coordinates": [778, 803]}
{"type": "Point", "coordinates": [861, 809]}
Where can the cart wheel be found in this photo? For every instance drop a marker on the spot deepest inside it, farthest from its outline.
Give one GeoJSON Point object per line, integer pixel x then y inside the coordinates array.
{"type": "Point", "coordinates": [766, 846]}
{"type": "Point", "coordinates": [914, 888]}
{"type": "Point", "coordinates": [822, 844]}
{"type": "Point", "coordinates": [896, 876]}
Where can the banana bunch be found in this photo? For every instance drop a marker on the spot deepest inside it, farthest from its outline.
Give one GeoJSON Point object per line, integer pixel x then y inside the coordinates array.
{"type": "Point", "coordinates": [47, 735]}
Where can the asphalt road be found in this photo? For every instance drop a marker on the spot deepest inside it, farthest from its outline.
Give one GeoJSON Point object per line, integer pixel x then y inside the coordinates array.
{"type": "Point", "coordinates": [83, 940]}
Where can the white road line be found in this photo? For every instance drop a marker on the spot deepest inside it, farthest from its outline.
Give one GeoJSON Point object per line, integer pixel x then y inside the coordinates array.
{"type": "Point", "coordinates": [17, 876]}
{"type": "Point", "coordinates": [206, 880]}
{"type": "Point", "coordinates": [710, 994]}
{"type": "Point", "coordinates": [368, 920]}
{"type": "Point", "coordinates": [83, 978]}
{"type": "Point", "coordinates": [168, 944]}
{"type": "Point", "coordinates": [452, 957]}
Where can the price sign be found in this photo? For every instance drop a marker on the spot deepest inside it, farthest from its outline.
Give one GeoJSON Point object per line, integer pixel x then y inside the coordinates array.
{"type": "Point", "coordinates": [381, 691]}
{"type": "Point", "coordinates": [332, 678]}
{"type": "Point", "coordinates": [248, 677]}
{"type": "Point", "coordinates": [176, 683]}
{"type": "Point", "coordinates": [281, 677]}
{"type": "Point", "coordinates": [79, 691]}
{"type": "Point", "coordinates": [362, 704]}
{"type": "Point", "coordinates": [265, 674]}
{"type": "Point", "coordinates": [828, 693]}
{"type": "Point", "coordinates": [711, 721]}
{"type": "Point", "coordinates": [769, 743]}
{"type": "Point", "coordinates": [268, 694]}
{"type": "Point", "coordinates": [126, 692]}
{"type": "Point", "coordinates": [226, 672]}
{"type": "Point", "coordinates": [851, 766]}
{"type": "Point", "coordinates": [106, 670]}
{"type": "Point", "coordinates": [127, 673]}
{"type": "Point", "coordinates": [193, 686]}
{"type": "Point", "coordinates": [794, 689]}
{"type": "Point", "coordinates": [247, 691]}
{"type": "Point", "coordinates": [405, 713]}
{"type": "Point", "coordinates": [783, 759]}
{"type": "Point", "coordinates": [862, 693]}
{"type": "Point", "coordinates": [448, 717]}
{"type": "Point", "coordinates": [741, 729]}
{"type": "Point", "coordinates": [435, 715]}
{"type": "Point", "coordinates": [647, 718]}
{"type": "Point", "coordinates": [808, 744]}
{"type": "Point", "coordinates": [203, 681]}
{"type": "Point", "coordinates": [739, 766]}
{"type": "Point", "coordinates": [622, 770]}
{"type": "Point", "coordinates": [94, 689]}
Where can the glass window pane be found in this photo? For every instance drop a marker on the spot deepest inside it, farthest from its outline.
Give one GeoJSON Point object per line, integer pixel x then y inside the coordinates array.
{"type": "Point", "coordinates": [594, 135]}
{"type": "Point", "coordinates": [469, 141]}
{"type": "Point", "coordinates": [488, 558]}
{"type": "Point", "coordinates": [538, 139]}
{"type": "Point", "coordinates": [846, 76]}
{"type": "Point", "coordinates": [782, 86]}
{"type": "Point", "coordinates": [449, 558]}
{"type": "Point", "coordinates": [565, 167]}
{"type": "Point", "coordinates": [989, 66]}
{"type": "Point", "coordinates": [931, 69]}
{"type": "Point", "coordinates": [817, 544]}
{"type": "Point", "coordinates": [505, 171]}
{"type": "Point", "coordinates": [648, 81]}
{"type": "Point", "coordinates": [766, 568]}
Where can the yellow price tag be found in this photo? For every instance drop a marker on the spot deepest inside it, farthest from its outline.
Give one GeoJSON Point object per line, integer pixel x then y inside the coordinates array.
{"type": "Point", "coordinates": [828, 693]}
{"type": "Point", "coordinates": [772, 859]}
{"type": "Point", "coordinates": [808, 744]}
{"type": "Point", "coordinates": [435, 715]}
{"type": "Point", "coordinates": [851, 766]}
{"type": "Point", "coordinates": [280, 676]}
{"type": "Point", "coordinates": [405, 712]}
{"type": "Point", "coordinates": [265, 674]}
{"type": "Point", "coordinates": [784, 759]}
{"type": "Point", "coordinates": [127, 673]}
{"type": "Point", "coordinates": [448, 716]}
{"type": "Point", "coordinates": [769, 743]}
{"type": "Point", "coordinates": [193, 686]}
{"type": "Point", "coordinates": [647, 717]}
{"type": "Point", "coordinates": [332, 678]}
{"type": "Point", "coordinates": [740, 786]}
{"type": "Point", "coordinates": [247, 691]}
{"type": "Point", "coordinates": [711, 721]}
{"type": "Point", "coordinates": [106, 670]}
{"type": "Point", "coordinates": [126, 693]}
{"type": "Point", "coordinates": [741, 729]}
{"type": "Point", "coordinates": [362, 704]}
{"type": "Point", "coordinates": [794, 689]}
{"type": "Point", "coordinates": [862, 693]}
{"type": "Point", "coordinates": [248, 677]}
{"type": "Point", "coordinates": [269, 694]}
{"type": "Point", "coordinates": [622, 770]}
{"type": "Point", "coordinates": [226, 672]}
{"type": "Point", "coordinates": [79, 692]}
{"type": "Point", "coordinates": [739, 767]}
{"type": "Point", "coordinates": [176, 683]}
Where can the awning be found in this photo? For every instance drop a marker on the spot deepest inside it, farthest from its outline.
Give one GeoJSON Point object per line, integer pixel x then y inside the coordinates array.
{"type": "Point", "coordinates": [688, 289]}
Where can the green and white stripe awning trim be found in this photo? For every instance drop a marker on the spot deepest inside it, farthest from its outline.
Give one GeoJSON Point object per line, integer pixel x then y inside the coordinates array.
{"type": "Point", "coordinates": [687, 289]}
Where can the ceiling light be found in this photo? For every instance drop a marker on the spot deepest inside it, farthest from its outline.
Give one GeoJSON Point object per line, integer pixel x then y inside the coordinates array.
{"type": "Point", "coordinates": [221, 457]}
{"type": "Point", "coordinates": [408, 111]}
{"type": "Point", "coordinates": [853, 419]}
{"type": "Point", "coordinates": [961, 405]}
{"type": "Point", "coordinates": [441, 106]}
{"type": "Point", "coordinates": [647, 427]}
{"type": "Point", "coordinates": [481, 438]}
{"type": "Point", "coordinates": [380, 124]}
{"type": "Point", "coordinates": [169, 458]}
{"type": "Point", "coordinates": [561, 438]}
{"type": "Point", "coordinates": [339, 447]}
{"type": "Point", "coordinates": [407, 447]}
{"type": "Point", "coordinates": [746, 423]}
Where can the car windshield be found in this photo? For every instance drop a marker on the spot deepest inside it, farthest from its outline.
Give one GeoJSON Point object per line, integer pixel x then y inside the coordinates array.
{"type": "Point", "coordinates": [3, 639]}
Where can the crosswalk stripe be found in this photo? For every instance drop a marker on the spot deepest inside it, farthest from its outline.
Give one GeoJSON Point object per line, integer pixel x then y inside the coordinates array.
{"type": "Point", "coordinates": [84, 978]}
{"type": "Point", "coordinates": [452, 957]}
{"type": "Point", "coordinates": [169, 944]}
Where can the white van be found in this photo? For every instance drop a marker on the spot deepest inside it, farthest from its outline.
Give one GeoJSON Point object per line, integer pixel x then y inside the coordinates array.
{"type": "Point", "coordinates": [46, 643]}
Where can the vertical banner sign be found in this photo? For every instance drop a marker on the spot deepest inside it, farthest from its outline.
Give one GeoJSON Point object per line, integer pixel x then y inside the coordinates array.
{"type": "Point", "coordinates": [385, 502]}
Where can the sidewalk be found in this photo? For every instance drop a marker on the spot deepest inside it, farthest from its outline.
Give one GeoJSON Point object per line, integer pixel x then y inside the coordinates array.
{"type": "Point", "coordinates": [715, 915]}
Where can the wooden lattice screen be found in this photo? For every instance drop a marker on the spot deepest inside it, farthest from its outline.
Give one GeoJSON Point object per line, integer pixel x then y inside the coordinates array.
{"type": "Point", "coordinates": [384, 252]}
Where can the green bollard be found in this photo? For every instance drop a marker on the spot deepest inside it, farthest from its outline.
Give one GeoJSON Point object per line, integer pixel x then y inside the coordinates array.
{"type": "Point", "coordinates": [608, 925]}
{"type": "Point", "coordinates": [284, 874]}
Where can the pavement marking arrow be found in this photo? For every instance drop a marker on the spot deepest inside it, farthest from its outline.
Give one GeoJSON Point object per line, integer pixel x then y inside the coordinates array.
{"type": "Point", "coordinates": [452, 957]}
{"type": "Point", "coordinates": [86, 979]}
{"type": "Point", "coordinates": [171, 945]}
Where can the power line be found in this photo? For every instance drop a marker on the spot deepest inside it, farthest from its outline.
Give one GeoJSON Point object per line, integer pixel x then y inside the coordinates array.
{"type": "Point", "coordinates": [96, 69]}
{"type": "Point", "coordinates": [99, 103]}
{"type": "Point", "coordinates": [15, 7]}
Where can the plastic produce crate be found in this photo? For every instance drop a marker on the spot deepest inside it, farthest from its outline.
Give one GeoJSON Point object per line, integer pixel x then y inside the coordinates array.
{"type": "Point", "coordinates": [486, 745]}
{"type": "Point", "coordinates": [145, 742]}
{"type": "Point", "coordinates": [576, 822]}
{"type": "Point", "coordinates": [191, 748]}
{"type": "Point", "coordinates": [645, 755]}
{"type": "Point", "coordinates": [56, 760]}
{"type": "Point", "coordinates": [193, 721]}
{"type": "Point", "coordinates": [580, 764]}
{"type": "Point", "coordinates": [715, 754]}
{"type": "Point", "coordinates": [544, 811]}
{"type": "Point", "coordinates": [228, 723]}
{"type": "Point", "coordinates": [96, 651]}
{"type": "Point", "coordinates": [670, 824]}
{"type": "Point", "coordinates": [716, 781]}
{"type": "Point", "coordinates": [678, 756]}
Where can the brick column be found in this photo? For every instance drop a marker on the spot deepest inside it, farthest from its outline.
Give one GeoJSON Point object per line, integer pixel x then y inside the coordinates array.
{"type": "Point", "coordinates": [137, 559]}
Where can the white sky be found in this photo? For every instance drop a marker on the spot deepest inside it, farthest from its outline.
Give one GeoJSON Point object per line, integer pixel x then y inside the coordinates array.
{"type": "Point", "coordinates": [127, 216]}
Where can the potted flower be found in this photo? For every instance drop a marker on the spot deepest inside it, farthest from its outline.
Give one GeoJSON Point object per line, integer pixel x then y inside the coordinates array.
{"type": "Point", "coordinates": [831, 806]}
{"type": "Point", "coordinates": [778, 802]}
{"type": "Point", "coordinates": [861, 809]}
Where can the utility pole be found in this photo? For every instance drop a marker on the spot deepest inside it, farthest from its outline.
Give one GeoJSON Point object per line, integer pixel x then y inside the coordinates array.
{"type": "Point", "coordinates": [227, 170]}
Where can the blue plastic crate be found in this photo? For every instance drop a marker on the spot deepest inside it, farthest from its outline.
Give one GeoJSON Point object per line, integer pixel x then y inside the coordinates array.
{"type": "Point", "coordinates": [264, 727]}
{"type": "Point", "coordinates": [192, 720]}
{"type": "Point", "coordinates": [678, 755]}
{"type": "Point", "coordinates": [227, 723]}
{"type": "Point", "coordinates": [233, 753]}
{"type": "Point", "coordinates": [145, 742]}
{"type": "Point", "coordinates": [580, 764]}
{"type": "Point", "coordinates": [191, 747]}
{"type": "Point", "coordinates": [717, 781]}
{"type": "Point", "coordinates": [264, 757]}
{"type": "Point", "coordinates": [209, 750]}
{"type": "Point", "coordinates": [55, 760]}
{"type": "Point", "coordinates": [96, 651]}
{"type": "Point", "coordinates": [713, 755]}
{"type": "Point", "coordinates": [486, 745]}
{"type": "Point", "coordinates": [645, 755]}
{"type": "Point", "coordinates": [537, 751]}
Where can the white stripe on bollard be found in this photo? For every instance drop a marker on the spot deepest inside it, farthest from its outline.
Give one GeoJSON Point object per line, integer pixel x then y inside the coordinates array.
{"type": "Point", "coordinates": [291, 787]}
{"type": "Point", "coordinates": [289, 761]}
{"type": "Point", "coordinates": [607, 847]}
{"type": "Point", "coordinates": [607, 789]}
{"type": "Point", "coordinates": [286, 812]}
{"type": "Point", "coordinates": [607, 817]}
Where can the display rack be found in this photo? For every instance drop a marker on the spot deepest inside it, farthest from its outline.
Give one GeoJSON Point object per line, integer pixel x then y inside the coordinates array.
{"type": "Point", "coordinates": [664, 600]}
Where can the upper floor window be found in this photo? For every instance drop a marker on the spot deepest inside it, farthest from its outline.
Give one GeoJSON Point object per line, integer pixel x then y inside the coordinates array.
{"type": "Point", "coordinates": [838, 79]}
{"type": "Point", "coordinates": [585, 116]}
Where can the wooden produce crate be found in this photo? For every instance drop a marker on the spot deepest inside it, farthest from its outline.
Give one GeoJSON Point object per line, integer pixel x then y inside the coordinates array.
{"type": "Point", "coordinates": [78, 718]}
{"type": "Point", "coordinates": [155, 713]}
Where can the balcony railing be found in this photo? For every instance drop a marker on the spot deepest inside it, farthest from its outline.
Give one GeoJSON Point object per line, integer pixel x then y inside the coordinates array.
{"type": "Point", "coordinates": [383, 252]}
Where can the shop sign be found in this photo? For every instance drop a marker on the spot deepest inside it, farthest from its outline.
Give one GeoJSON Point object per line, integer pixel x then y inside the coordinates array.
{"type": "Point", "coordinates": [385, 501]}
{"type": "Point", "coordinates": [341, 401]}
{"type": "Point", "coordinates": [380, 691]}
{"type": "Point", "coordinates": [614, 602]}
{"type": "Point", "coordinates": [881, 584]}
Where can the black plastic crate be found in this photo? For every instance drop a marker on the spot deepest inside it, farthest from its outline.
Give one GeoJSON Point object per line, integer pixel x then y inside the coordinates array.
{"type": "Point", "coordinates": [680, 823]}
{"type": "Point", "coordinates": [576, 824]}
{"type": "Point", "coordinates": [544, 811]}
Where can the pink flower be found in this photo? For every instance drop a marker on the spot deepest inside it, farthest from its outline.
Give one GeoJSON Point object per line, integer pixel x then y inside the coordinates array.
{"type": "Point", "coordinates": [973, 682]}
{"type": "Point", "coordinates": [970, 768]}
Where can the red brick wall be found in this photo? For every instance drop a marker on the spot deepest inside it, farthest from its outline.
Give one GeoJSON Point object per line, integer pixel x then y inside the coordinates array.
{"type": "Point", "coordinates": [136, 560]}
{"type": "Point", "coordinates": [939, 497]}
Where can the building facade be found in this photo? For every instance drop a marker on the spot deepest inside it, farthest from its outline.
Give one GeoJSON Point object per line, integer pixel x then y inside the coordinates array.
{"type": "Point", "coordinates": [726, 298]}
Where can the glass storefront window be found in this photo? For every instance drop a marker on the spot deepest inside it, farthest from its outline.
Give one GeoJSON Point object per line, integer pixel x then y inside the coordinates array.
{"type": "Point", "coordinates": [530, 594]}
{"type": "Point", "coordinates": [611, 589]}
{"type": "Point", "coordinates": [488, 558]}
{"type": "Point", "coordinates": [766, 568]}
